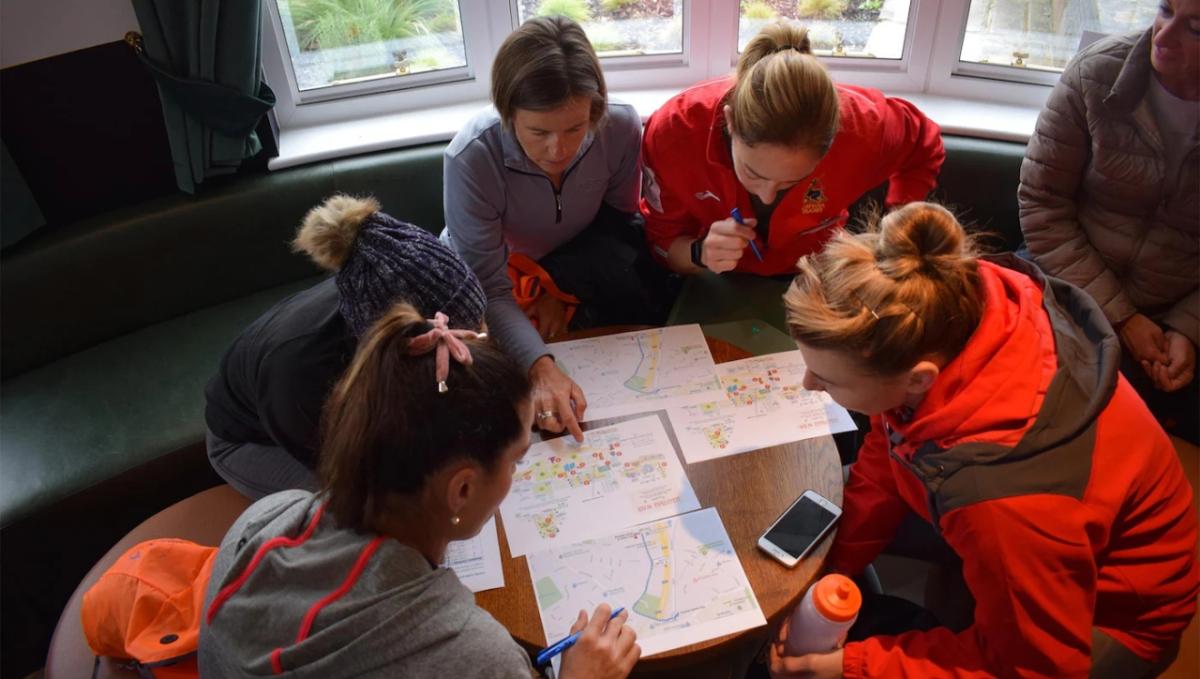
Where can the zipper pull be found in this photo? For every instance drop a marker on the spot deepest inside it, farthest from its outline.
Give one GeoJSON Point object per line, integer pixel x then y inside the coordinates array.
{"type": "Point", "coordinates": [557, 207]}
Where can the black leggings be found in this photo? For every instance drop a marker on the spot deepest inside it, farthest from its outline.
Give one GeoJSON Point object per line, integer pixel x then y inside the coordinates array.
{"type": "Point", "coordinates": [609, 268]}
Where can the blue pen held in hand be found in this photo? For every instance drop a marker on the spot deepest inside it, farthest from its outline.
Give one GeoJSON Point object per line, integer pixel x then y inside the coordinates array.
{"type": "Point", "coordinates": [737, 217]}
{"type": "Point", "coordinates": [565, 643]}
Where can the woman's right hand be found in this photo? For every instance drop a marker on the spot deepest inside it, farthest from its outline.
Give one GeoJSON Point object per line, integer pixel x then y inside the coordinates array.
{"type": "Point", "coordinates": [606, 649]}
{"type": "Point", "coordinates": [557, 401]}
{"type": "Point", "coordinates": [725, 243]}
{"type": "Point", "coordinates": [1144, 339]}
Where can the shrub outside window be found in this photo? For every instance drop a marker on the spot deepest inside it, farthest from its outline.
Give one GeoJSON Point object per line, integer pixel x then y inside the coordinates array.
{"type": "Point", "coordinates": [1045, 34]}
{"type": "Point", "coordinates": [871, 29]}
{"type": "Point", "coordinates": [618, 28]}
{"type": "Point", "coordinates": [343, 42]}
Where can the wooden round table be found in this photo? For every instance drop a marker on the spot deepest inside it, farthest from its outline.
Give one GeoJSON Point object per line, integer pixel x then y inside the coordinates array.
{"type": "Point", "coordinates": [749, 491]}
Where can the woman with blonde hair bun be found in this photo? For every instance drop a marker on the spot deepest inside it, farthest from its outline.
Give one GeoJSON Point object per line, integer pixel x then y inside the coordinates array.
{"type": "Point", "coordinates": [784, 145]}
{"type": "Point", "coordinates": [999, 418]}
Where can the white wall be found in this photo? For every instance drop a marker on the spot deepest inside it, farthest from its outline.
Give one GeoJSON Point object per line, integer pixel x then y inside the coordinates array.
{"type": "Point", "coordinates": [36, 29]}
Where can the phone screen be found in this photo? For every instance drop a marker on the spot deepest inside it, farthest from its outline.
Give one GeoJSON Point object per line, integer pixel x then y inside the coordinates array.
{"type": "Point", "coordinates": [800, 527]}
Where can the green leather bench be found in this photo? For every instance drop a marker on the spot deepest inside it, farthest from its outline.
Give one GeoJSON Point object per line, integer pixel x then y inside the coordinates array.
{"type": "Point", "coordinates": [114, 325]}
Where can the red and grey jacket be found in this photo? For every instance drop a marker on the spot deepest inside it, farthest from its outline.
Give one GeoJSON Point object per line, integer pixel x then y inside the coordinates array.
{"type": "Point", "coordinates": [688, 180]}
{"type": "Point", "coordinates": [1045, 472]}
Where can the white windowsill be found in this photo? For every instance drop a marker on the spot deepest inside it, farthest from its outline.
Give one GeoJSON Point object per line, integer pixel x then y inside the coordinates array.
{"type": "Point", "coordinates": [300, 146]}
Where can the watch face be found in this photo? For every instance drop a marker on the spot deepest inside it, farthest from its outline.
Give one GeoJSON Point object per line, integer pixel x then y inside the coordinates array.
{"type": "Point", "coordinates": [697, 252]}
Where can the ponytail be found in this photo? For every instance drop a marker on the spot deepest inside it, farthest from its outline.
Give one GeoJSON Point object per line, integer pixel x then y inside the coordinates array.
{"type": "Point", "coordinates": [386, 428]}
{"type": "Point", "coordinates": [782, 94]}
{"type": "Point", "coordinates": [905, 290]}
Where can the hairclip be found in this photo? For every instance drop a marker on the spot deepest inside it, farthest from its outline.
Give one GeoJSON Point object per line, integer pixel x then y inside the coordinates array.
{"type": "Point", "coordinates": [447, 343]}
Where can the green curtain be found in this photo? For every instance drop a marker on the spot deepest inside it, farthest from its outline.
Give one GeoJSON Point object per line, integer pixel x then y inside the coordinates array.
{"type": "Point", "coordinates": [206, 58]}
{"type": "Point", "coordinates": [19, 211]}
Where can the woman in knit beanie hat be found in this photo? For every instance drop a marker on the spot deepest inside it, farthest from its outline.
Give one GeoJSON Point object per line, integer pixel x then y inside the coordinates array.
{"type": "Point", "coordinates": [264, 404]}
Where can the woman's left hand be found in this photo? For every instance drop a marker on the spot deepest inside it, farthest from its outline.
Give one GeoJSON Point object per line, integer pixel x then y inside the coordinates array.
{"type": "Point", "coordinates": [1180, 367]}
{"type": "Point", "coordinates": [809, 666]}
{"type": "Point", "coordinates": [550, 314]}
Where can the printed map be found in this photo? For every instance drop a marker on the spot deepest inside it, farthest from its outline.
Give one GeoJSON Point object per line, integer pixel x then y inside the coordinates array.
{"type": "Point", "coordinates": [639, 371]}
{"type": "Point", "coordinates": [764, 404]}
{"type": "Point", "coordinates": [619, 476]}
{"type": "Point", "coordinates": [679, 578]}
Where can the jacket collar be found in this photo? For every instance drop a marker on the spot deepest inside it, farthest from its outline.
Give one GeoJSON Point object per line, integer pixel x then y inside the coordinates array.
{"type": "Point", "coordinates": [1130, 86]}
{"type": "Point", "coordinates": [1088, 356]}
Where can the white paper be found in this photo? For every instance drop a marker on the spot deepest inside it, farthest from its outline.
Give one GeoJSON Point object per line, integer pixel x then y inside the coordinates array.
{"type": "Point", "coordinates": [679, 578]}
{"type": "Point", "coordinates": [763, 404]}
{"type": "Point", "coordinates": [477, 561]}
{"type": "Point", "coordinates": [635, 372]}
{"type": "Point", "coordinates": [621, 475]}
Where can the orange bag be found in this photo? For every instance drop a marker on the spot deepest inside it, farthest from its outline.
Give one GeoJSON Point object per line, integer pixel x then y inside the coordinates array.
{"type": "Point", "coordinates": [530, 281]}
{"type": "Point", "coordinates": [146, 608]}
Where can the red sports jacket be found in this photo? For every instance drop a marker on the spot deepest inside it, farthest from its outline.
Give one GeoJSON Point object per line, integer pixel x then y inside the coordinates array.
{"type": "Point", "coordinates": [688, 180]}
{"type": "Point", "coordinates": [1045, 472]}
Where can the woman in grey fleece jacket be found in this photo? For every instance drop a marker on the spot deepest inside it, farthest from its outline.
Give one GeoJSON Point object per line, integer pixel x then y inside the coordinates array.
{"type": "Point", "coordinates": [420, 437]}
{"type": "Point", "coordinates": [552, 173]}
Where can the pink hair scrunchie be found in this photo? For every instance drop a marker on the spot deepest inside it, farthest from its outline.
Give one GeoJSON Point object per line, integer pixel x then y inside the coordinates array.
{"type": "Point", "coordinates": [448, 342]}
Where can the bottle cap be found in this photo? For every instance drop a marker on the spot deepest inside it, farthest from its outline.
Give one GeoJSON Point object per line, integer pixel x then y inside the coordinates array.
{"type": "Point", "coordinates": [837, 598]}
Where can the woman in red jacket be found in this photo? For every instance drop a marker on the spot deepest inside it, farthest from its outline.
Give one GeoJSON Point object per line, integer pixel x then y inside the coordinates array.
{"type": "Point", "coordinates": [998, 417]}
{"type": "Point", "coordinates": [785, 146]}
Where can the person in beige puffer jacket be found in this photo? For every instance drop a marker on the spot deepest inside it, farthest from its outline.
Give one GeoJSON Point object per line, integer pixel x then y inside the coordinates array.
{"type": "Point", "coordinates": [1109, 198]}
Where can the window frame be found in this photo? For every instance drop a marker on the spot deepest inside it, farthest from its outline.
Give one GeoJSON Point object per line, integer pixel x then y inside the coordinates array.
{"type": "Point", "coordinates": [929, 66]}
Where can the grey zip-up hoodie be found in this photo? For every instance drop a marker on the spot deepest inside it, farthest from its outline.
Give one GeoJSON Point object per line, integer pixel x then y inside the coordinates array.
{"type": "Point", "coordinates": [399, 618]}
{"type": "Point", "coordinates": [498, 201]}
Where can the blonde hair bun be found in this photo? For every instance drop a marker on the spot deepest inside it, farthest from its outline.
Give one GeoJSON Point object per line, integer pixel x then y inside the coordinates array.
{"type": "Point", "coordinates": [775, 37]}
{"type": "Point", "coordinates": [905, 289]}
{"type": "Point", "coordinates": [329, 230]}
{"type": "Point", "coordinates": [922, 236]}
{"type": "Point", "coordinates": [782, 94]}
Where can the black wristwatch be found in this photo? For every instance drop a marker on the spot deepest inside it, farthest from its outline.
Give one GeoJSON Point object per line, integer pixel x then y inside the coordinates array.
{"type": "Point", "coordinates": [698, 252]}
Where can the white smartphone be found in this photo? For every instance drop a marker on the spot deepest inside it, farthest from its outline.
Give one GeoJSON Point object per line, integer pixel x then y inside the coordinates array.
{"type": "Point", "coordinates": [793, 535]}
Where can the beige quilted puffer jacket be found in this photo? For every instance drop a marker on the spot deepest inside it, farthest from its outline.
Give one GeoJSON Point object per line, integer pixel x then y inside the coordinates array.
{"type": "Point", "coordinates": [1096, 208]}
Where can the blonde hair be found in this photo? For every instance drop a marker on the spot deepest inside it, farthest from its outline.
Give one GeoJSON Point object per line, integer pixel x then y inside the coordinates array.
{"type": "Point", "coordinates": [782, 94]}
{"type": "Point", "coordinates": [905, 290]}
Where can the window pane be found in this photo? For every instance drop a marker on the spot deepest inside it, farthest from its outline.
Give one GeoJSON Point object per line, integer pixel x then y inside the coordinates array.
{"type": "Point", "coordinates": [1044, 34]}
{"type": "Point", "coordinates": [336, 42]}
{"type": "Point", "coordinates": [843, 28]}
{"type": "Point", "coordinates": [619, 28]}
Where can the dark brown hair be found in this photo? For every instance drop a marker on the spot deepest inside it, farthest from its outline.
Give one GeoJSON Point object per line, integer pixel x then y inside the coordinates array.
{"type": "Point", "coordinates": [386, 428]}
{"type": "Point", "coordinates": [782, 94]}
{"type": "Point", "coordinates": [544, 64]}
{"type": "Point", "coordinates": [905, 290]}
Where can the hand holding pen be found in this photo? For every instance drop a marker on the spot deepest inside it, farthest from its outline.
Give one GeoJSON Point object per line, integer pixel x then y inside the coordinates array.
{"type": "Point", "coordinates": [602, 646]}
{"type": "Point", "coordinates": [727, 241]}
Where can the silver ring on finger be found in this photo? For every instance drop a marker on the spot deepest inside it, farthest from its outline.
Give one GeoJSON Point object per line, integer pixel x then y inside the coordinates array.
{"type": "Point", "coordinates": [546, 415]}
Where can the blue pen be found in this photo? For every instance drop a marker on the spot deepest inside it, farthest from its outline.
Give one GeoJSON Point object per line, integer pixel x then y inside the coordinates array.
{"type": "Point", "coordinates": [737, 217]}
{"type": "Point", "coordinates": [565, 643]}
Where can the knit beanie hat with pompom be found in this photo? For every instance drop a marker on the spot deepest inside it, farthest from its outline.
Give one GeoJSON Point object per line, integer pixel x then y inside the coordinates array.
{"type": "Point", "coordinates": [380, 261]}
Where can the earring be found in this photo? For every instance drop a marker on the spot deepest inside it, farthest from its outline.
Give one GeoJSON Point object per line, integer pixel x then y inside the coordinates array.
{"type": "Point", "coordinates": [454, 521]}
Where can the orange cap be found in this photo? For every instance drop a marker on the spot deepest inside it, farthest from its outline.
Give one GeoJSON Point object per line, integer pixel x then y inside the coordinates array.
{"type": "Point", "coordinates": [837, 598]}
{"type": "Point", "coordinates": [147, 605]}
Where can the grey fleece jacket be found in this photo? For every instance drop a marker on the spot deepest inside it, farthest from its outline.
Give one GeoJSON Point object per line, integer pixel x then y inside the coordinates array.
{"type": "Point", "coordinates": [400, 618]}
{"type": "Point", "coordinates": [498, 201]}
